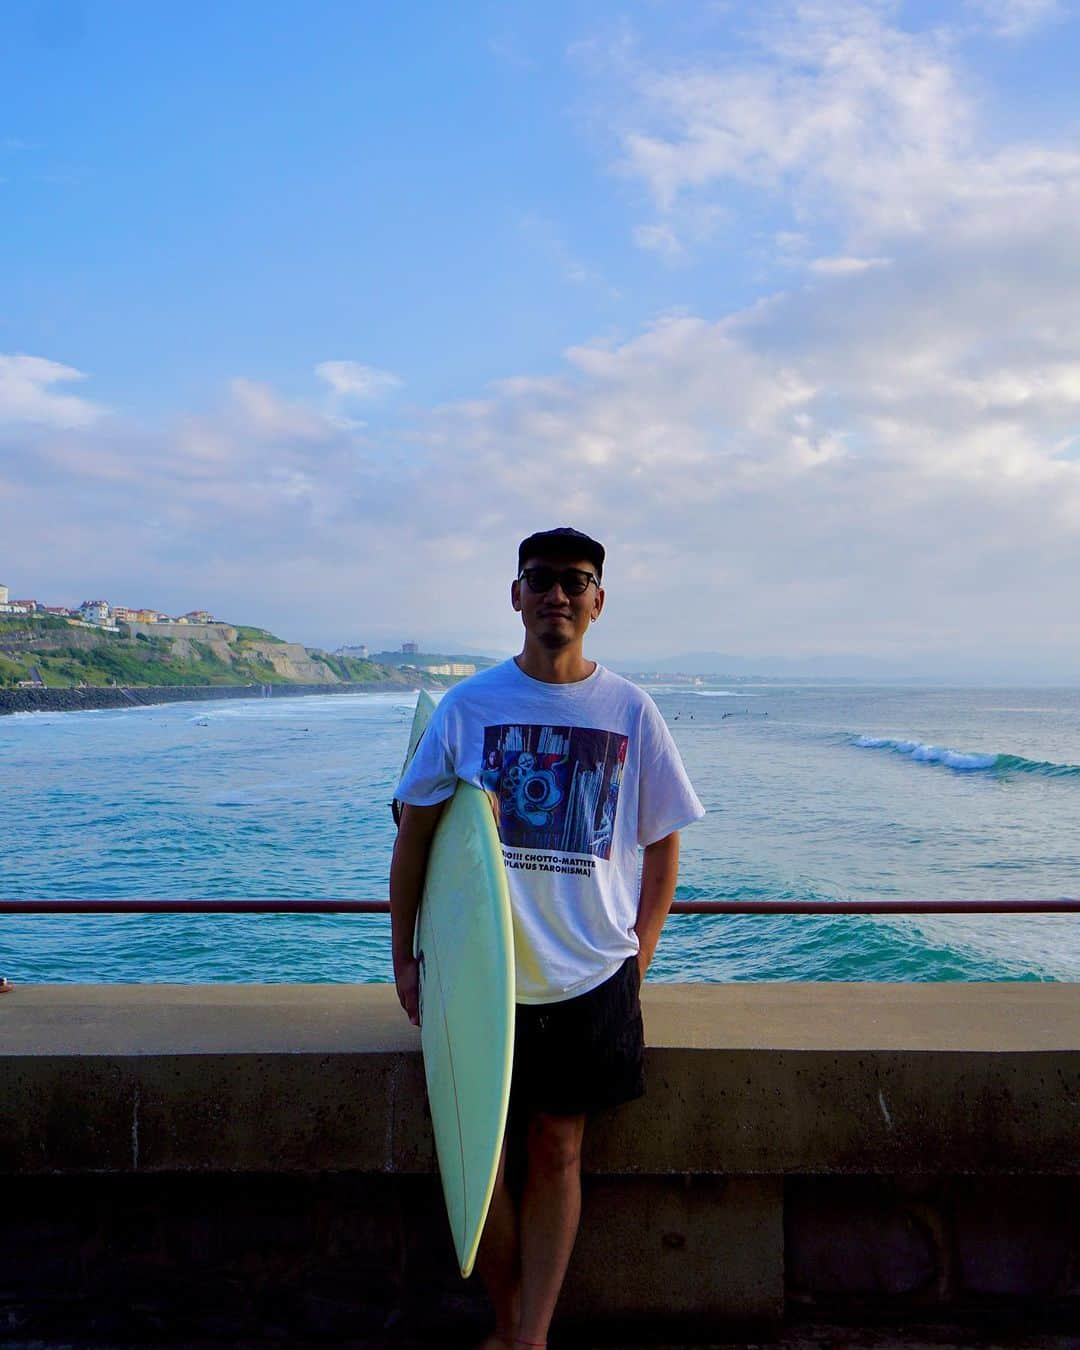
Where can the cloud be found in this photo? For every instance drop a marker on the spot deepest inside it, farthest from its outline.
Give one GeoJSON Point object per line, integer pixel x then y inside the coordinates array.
{"type": "Point", "coordinates": [350, 380]}
{"type": "Point", "coordinates": [835, 267]}
{"type": "Point", "coordinates": [273, 417]}
{"type": "Point", "coordinates": [244, 504]}
{"type": "Point", "coordinates": [696, 225]}
{"type": "Point", "coordinates": [28, 394]}
{"type": "Point", "coordinates": [1017, 18]}
{"type": "Point", "coordinates": [841, 119]}
{"type": "Point", "coordinates": [781, 481]}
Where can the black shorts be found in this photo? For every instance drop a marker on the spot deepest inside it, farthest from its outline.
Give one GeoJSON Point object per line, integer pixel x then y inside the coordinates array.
{"type": "Point", "coordinates": [582, 1055]}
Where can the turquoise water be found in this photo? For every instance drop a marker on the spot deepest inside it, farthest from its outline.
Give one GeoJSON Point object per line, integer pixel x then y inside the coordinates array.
{"type": "Point", "coordinates": [832, 792]}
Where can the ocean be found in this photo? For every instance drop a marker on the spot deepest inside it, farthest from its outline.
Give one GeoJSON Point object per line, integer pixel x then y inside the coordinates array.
{"type": "Point", "coordinates": [825, 792]}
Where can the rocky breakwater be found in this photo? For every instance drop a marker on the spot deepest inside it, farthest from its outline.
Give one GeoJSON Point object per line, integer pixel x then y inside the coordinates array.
{"type": "Point", "coordinates": [84, 699]}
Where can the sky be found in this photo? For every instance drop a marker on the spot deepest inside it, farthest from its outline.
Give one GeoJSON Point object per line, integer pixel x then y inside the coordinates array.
{"type": "Point", "coordinates": [310, 312]}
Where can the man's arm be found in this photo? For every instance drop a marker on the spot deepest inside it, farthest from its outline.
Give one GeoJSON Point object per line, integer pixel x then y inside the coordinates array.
{"type": "Point", "coordinates": [407, 869]}
{"type": "Point", "coordinates": [659, 873]}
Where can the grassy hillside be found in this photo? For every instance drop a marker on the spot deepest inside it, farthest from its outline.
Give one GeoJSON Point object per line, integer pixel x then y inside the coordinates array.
{"type": "Point", "coordinates": [66, 656]}
{"type": "Point", "coordinates": [244, 633]}
{"type": "Point", "coordinates": [16, 628]}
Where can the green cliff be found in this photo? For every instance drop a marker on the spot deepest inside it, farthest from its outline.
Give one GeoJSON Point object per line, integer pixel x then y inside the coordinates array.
{"type": "Point", "coordinates": [62, 656]}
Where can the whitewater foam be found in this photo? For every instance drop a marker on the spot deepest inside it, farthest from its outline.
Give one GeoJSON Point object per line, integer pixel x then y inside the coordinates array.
{"type": "Point", "coordinates": [965, 761]}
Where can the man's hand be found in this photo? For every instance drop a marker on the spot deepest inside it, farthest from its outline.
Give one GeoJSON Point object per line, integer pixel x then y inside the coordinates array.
{"type": "Point", "coordinates": [407, 979]}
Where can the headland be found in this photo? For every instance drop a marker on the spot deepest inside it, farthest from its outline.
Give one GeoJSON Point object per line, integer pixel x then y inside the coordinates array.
{"type": "Point", "coordinates": [53, 664]}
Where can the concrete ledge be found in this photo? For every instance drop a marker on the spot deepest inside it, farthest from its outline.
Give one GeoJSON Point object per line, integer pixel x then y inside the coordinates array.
{"type": "Point", "coordinates": [762, 1079]}
{"type": "Point", "coordinates": [896, 1150]}
{"type": "Point", "coordinates": [179, 1019]}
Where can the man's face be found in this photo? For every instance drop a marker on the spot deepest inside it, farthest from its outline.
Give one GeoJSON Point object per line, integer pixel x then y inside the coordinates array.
{"type": "Point", "coordinates": [555, 618]}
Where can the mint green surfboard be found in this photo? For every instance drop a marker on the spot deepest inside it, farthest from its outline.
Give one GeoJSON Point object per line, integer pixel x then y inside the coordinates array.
{"type": "Point", "coordinates": [465, 944]}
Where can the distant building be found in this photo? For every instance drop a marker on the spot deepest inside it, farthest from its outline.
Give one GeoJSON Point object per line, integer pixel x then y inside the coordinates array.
{"type": "Point", "coordinates": [58, 611]}
{"type": "Point", "coordinates": [197, 616]}
{"type": "Point", "coordinates": [94, 611]}
{"type": "Point", "coordinates": [18, 607]}
{"type": "Point", "coordinates": [438, 663]}
{"type": "Point", "coordinates": [359, 652]}
{"type": "Point", "coordinates": [451, 668]}
{"type": "Point", "coordinates": [3, 595]}
{"type": "Point", "coordinates": [410, 648]}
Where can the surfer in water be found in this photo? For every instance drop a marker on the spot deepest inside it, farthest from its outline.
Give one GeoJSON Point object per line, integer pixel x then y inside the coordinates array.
{"type": "Point", "coordinates": [595, 752]}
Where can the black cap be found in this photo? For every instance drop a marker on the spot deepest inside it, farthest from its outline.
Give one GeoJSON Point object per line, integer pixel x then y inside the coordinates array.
{"type": "Point", "coordinates": [562, 542]}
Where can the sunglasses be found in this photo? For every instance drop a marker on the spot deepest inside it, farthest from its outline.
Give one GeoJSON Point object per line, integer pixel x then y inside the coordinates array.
{"type": "Point", "coordinates": [573, 580]}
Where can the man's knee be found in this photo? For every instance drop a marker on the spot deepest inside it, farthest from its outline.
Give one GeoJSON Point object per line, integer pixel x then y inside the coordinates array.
{"type": "Point", "coordinates": [555, 1143]}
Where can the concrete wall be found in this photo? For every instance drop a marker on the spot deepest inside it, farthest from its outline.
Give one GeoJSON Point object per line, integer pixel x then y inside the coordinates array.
{"type": "Point", "coordinates": [257, 1161]}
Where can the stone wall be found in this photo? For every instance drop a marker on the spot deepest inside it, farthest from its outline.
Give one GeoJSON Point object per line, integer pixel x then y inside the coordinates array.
{"type": "Point", "coordinates": [256, 1162]}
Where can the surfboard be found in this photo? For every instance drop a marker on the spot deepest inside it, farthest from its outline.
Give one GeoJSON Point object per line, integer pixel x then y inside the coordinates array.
{"type": "Point", "coordinates": [465, 946]}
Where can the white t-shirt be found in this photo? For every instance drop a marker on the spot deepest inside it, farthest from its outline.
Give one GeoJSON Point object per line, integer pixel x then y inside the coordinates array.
{"type": "Point", "coordinates": [584, 774]}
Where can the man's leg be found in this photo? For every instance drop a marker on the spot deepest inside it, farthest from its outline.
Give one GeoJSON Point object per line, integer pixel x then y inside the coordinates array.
{"type": "Point", "coordinates": [550, 1209]}
{"type": "Point", "coordinates": [497, 1261]}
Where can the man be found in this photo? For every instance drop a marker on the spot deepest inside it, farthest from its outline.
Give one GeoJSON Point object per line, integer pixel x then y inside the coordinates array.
{"type": "Point", "coordinates": [584, 771]}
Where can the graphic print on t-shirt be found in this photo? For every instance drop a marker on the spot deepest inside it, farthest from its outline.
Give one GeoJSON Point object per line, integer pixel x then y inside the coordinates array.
{"type": "Point", "coordinates": [557, 787]}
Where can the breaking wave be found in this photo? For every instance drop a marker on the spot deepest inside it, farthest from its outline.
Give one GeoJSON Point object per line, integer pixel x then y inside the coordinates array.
{"type": "Point", "coordinates": [967, 762]}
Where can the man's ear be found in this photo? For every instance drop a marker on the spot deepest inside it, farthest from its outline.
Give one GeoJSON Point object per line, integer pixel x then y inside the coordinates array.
{"type": "Point", "coordinates": [598, 603]}
{"type": "Point", "coordinates": [515, 595]}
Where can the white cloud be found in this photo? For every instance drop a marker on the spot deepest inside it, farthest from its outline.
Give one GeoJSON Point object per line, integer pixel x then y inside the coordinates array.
{"type": "Point", "coordinates": [696, 225]}
{"type": "Point", "coordinates": [28, 393]}
{"type": "Point", "coordinates": [273, 417]}
{"type": "Point", "coordinates": [350, 380]}
{"type": "Point", "coordinates": [836, 108]}
{"type": "Point", "coordinates": [843, 120]}
{"type": "Point", "coordinates": [878, 463]}
{"type": "Point", "coordinates": [838, 267]}
{"type": "Point", "coordinates": [1017, 18]}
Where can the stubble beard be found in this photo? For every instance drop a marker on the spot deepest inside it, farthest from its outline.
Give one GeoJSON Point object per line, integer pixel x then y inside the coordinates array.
{"type": "Point", "coordinates": [554, 641]}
